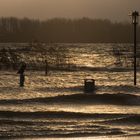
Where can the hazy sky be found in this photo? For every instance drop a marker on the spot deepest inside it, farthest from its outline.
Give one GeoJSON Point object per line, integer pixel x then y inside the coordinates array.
{"type": "Point", "coordinates": [44, 9]}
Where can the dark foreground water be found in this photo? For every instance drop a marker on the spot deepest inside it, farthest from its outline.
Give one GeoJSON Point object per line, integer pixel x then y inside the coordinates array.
{"type": "Point", "coordinates": [56, 105]}
{"type": "Point", "coordinates": [87, 138]}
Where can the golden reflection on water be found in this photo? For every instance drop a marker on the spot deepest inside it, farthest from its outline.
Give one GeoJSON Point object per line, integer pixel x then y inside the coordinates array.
{"type": "Point", "coordinates": [73, 108]}
{"type": "Point", "coordinates": [66, 83]}
{"type": "Point", "coordinates": [60, 83]}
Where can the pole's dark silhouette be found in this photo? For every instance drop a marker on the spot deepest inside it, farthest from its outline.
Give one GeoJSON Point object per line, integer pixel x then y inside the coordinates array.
{"type": "Point", "coordinates": [135, 54]}
{"type": "Point", "coordinates": [135, 15]}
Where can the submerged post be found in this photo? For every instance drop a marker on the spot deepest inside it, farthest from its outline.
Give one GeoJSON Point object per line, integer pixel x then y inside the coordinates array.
{"type": "Point", "coordinates": [46, 67]}
{"type": "Point", "coordinates": [135, 16]}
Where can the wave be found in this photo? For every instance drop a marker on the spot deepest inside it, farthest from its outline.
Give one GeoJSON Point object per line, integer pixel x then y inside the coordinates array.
{"type": "Point", "coordinates": [64, 124]}
{"type": "Point", "coordinates": [115, 99]}
{"type": "Point", "coordinates": [63, 114]}
{"type": "Point", "coordinates": [132, 119]}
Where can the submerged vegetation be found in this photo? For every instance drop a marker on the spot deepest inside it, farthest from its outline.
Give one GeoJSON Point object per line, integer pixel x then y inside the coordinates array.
{"type": "Point", "coordinates": [37, 56]}
{"type": "Point", "coordinates": [67, 56]}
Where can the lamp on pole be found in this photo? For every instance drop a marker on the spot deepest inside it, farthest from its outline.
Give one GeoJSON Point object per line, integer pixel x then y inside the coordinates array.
{"type": "Point", "coordinates": [135, 19]}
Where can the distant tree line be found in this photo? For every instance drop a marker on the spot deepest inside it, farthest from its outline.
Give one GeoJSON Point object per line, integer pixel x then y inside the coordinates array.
{"type": "Point", "coordinates": [60, 30]}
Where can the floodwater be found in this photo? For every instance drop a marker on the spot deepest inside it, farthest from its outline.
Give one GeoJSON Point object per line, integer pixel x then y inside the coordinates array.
{"type": "Point", "coordinates": [89, 138]}
{"type": "Point", "coordinates": [56, 105]}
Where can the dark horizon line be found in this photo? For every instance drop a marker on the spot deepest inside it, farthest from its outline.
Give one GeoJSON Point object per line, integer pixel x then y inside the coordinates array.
{"type": "Point", "coordinates": [67, 18]}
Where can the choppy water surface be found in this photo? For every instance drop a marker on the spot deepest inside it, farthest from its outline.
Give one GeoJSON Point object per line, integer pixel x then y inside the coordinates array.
{"type": "Point", "coordinates": [89, 138]}
{"type": "Point", "coordinates": [56, 105]}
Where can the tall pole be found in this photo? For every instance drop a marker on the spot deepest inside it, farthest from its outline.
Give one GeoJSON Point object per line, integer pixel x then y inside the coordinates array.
{"type": "Point", "coordinates": [135, 16]}
{"type": "Point", "coordinates": [135, 53]}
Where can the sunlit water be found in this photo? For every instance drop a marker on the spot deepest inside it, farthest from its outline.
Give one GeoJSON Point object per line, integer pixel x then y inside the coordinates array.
{"type": "Point", "coordinates": [31, 113]}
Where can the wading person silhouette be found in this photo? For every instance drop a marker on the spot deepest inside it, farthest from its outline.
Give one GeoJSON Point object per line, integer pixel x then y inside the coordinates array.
{"type": "Point", "coordinates": [21, 74]}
